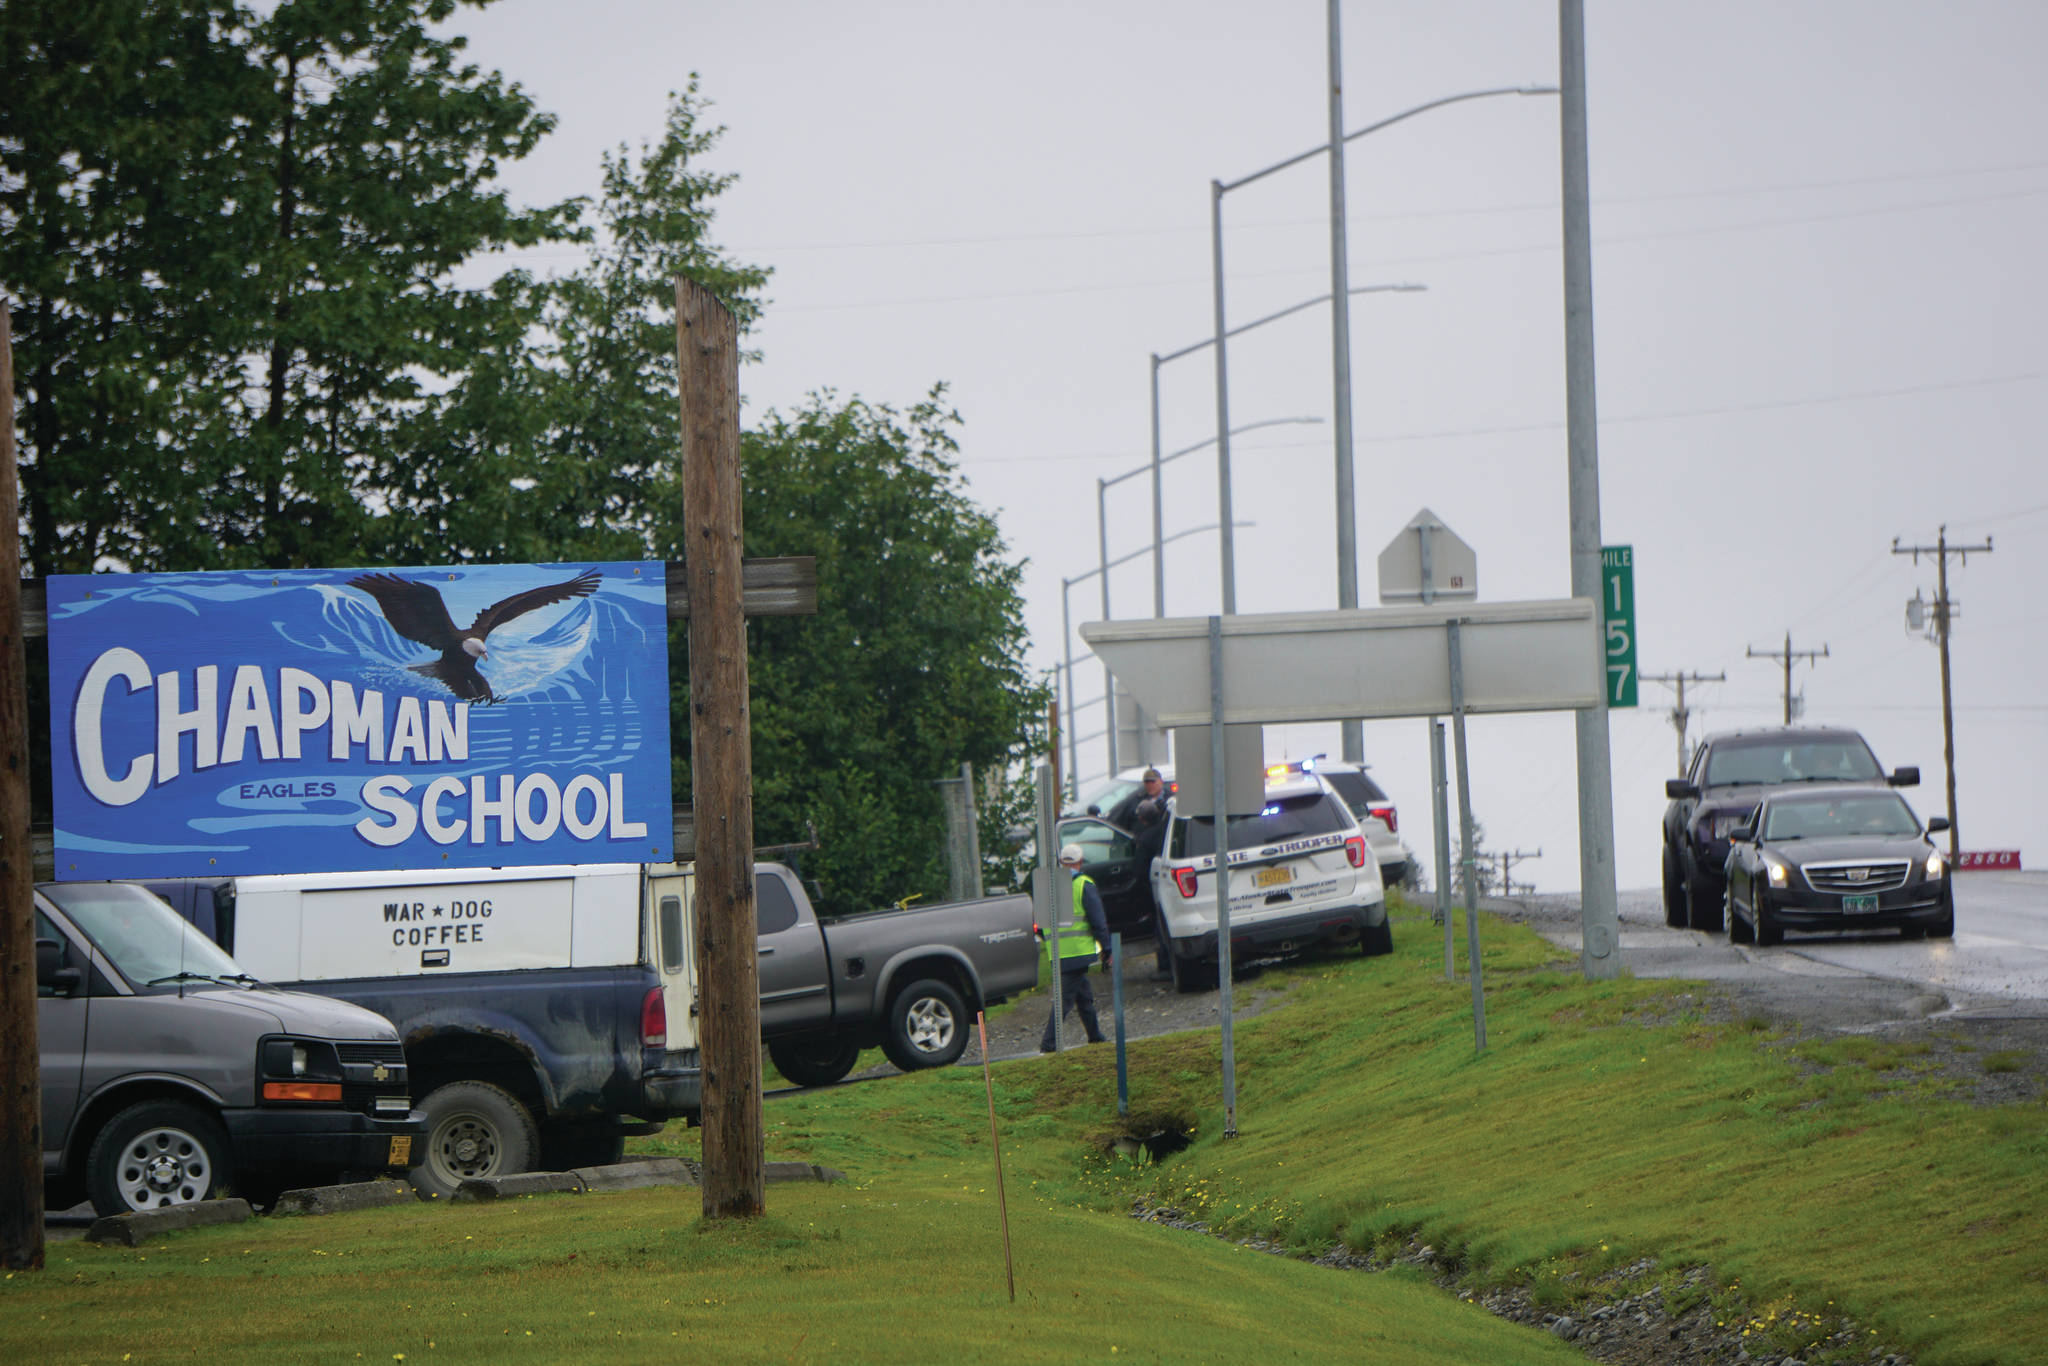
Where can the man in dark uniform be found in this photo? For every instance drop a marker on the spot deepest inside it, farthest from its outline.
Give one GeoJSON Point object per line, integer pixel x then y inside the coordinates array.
{"type": "Point", "coordinates": [1148, 829]}
{"type": "Point", "coordinates": [1083, 936]}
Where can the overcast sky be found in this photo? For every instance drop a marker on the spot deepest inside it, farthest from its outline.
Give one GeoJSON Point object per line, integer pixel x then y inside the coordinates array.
{"type": "Point", "coordinates": [1819, 291]}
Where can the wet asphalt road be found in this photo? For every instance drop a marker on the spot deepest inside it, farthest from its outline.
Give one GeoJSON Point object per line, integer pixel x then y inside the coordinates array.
{"type": "Point", "coordinates": [1997, 964]}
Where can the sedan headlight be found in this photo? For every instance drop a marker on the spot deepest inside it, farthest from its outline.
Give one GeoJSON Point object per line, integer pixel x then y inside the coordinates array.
{"type": "Point", "coordinates": [1936, 864]}
{"type": "Point", "coordinates": [1778, 870]}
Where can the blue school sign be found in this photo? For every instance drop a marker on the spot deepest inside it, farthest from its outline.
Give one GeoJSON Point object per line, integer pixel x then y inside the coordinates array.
{"type": "Point", "coordinates": [333, 720]}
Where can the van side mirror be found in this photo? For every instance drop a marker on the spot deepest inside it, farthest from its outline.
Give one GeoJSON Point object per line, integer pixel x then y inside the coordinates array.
{"type": "Point", "coordinates": [1677, 789]}
{"type": "Point", "coordinates": [1937, 825]}
{"type": "Point", "coordinates": [1904, 777]}
{"type": "Point", "coordinates": [51, 974]}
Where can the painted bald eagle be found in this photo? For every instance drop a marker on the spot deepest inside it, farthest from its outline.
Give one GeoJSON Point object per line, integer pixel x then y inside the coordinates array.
{"type": "Point", "coordinates": [416, 611]}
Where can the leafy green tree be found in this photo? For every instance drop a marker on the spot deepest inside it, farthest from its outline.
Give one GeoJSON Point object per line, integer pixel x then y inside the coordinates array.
{"type": "Point", "coordinates": [232, 236]}
{"type": "Point", "coordinates": [914, 662]}
{"type": "Point", "coordinates": [605, 475]}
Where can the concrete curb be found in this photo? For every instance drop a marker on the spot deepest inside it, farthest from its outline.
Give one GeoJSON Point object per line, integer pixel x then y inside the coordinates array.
{"type": "Point", "coordinates": [339, 1199]}
{"type": "Point", "coordinates": [800, 1171]}
{"type": "Point", "coordinates": [132, 1230]}
{"type": "Point", "coordinates": [481, 1188]}
{"type": "Point", "coordinates": [625, 1176]}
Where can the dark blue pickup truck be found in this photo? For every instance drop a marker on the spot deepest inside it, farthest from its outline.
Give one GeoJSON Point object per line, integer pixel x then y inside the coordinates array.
{"type": "Point", "coordinates": [547, 1013]}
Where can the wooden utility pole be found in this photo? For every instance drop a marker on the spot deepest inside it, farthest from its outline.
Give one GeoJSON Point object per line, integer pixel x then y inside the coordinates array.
{"type": "Point", "coordinates": [1788, 654]}
{"type": "Point", "coordinates": [21, 1086]}
{"type": "Point", "coordinates": [1944, 613]}
{"type": "Point", "coordinates": [721, 764]}
{"type": "Point", "coordinates": [1680, 716]}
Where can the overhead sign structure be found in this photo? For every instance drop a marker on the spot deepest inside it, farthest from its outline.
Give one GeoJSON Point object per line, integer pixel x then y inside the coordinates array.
{"type": "Point", "coordinates": [1286, 667]}
{"type": "Point", "coordinates": [1618, 615]}
{"type": "Point", "coordinates": [1428, 562]}
{"type": "Point", "coordinates": [332, 720]}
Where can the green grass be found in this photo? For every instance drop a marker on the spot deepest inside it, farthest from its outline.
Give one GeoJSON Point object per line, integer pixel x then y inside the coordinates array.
{"type": "Point", "coordinates": [1606, 1122]}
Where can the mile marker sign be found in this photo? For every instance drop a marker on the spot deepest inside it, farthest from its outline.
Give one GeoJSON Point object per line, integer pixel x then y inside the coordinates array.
{"type": "Point", "coordinates": [1618, 614]}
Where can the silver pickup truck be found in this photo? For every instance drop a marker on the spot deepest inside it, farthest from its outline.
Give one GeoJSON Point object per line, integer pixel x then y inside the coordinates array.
{"type": "Point", "coordinates": [908, 980]}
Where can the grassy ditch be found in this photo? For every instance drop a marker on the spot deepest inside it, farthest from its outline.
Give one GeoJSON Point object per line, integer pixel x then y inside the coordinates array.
{"type": "Point", "coordinates": [1607, 1123]}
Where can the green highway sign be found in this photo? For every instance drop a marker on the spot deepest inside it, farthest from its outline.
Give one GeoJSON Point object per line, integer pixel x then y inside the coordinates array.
{"type": "Point", "coordinates": [1618, 612]}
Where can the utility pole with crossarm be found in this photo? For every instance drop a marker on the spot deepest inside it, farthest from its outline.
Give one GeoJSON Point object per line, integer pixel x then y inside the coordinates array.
{"type": "Point", "coordinates": [1680, 716]}
{"type": "Point", "coordinates": [1944, 611]}
{"type": "Point", "coordinates": [1788, 654]}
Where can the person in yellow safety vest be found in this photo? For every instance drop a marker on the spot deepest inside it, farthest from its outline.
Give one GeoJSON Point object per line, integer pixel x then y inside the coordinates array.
{"type": "Point", "coordinates": [1080, 942]}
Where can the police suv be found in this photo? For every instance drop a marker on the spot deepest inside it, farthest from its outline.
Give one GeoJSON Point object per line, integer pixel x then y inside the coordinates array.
{"type": "Point", "coordinates": [1301, 875]}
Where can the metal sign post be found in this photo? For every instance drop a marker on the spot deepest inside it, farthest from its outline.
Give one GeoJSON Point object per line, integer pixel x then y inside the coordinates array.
{"type": "Point", "coordinates": [1045, 887]}
{"type": "Point", "coordinates": [1457, 660]}
{"type": "Point", "coordinates": [1439, 787]}
{"type": "Point", "coordinates": [1221, 816]}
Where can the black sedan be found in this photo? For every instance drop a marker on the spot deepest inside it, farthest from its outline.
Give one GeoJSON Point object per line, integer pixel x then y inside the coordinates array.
{"type": "Point", "coordinates": [1836, 858]}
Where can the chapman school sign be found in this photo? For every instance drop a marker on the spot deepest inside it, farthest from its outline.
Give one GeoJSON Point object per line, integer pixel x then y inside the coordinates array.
{"type": "Point", "coordinates": [336, 720]}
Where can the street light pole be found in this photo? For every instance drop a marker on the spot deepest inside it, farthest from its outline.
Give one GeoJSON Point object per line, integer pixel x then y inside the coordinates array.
{"type": "Point", "coordinates": [1158, 513]}
{"type": "Point", "coordinates": [1071, 778]}
{"type": "Point", "coordinates": [1340, 365]}
{"type": "Point", "coordinates": [1102, 547]}
{"type": "Point", "coordinates": [1346, 510]}
{"type": "Point", "coordinates": [1599, 922]}
{"type": "Point", "coordinates": [1223, 512]}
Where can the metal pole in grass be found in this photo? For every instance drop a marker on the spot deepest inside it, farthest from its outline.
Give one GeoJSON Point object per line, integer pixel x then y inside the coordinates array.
{"type": "Point", "coordinates": [1116, 996]}
{"type": "Point", "coordinates": [1465, 858]}
{"type": "Point", "coordinates": [996, 1143]}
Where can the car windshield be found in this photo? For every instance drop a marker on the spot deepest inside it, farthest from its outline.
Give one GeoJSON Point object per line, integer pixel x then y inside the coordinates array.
{"type": "Point", "coordinates": [1875, 813]}
{"type": "Point", "coordinates": [1358, 791]}
{"type": "Point", "coordinates": [1104, 793]}
{"type": "Point", "coordinates": [145, 938]}
{"type": "Point", "coordinates": [1844, 759]}
{"type": "Point", "coordinates": [1285, 818]}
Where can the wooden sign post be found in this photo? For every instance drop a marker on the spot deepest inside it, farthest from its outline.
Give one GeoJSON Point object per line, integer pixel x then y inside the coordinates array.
{"type": "Point", "coordinates": [721, 766]}
{"type": "Point", "coordinates": [21, 1092]}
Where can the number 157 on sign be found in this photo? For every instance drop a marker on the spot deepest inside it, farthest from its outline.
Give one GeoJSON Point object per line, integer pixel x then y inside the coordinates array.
{"type": "Point", "coordinates": [1618, 612]}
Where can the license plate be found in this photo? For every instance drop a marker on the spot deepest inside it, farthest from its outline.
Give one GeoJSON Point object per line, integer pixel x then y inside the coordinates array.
{"type": "Point", "coordinates": [1272, 877]}
{"type": "Point", "coordinates": [1865, 904]}
{"type": "Point", "coordinates": [401, 1150]}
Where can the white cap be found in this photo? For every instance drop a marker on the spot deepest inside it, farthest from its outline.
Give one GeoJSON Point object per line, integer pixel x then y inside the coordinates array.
{"type": "Point", "coordinates": [1070, 853]}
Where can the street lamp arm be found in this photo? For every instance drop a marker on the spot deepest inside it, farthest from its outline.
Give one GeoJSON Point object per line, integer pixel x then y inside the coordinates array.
{"type": "Point", "coordinates": [1086, 574]}
{"type": "Point", "coordinates": [1392, 119]}
{"type": "Point", "coordinates": [1322, 149]}
{"type": "Point", "coordinates": [1406, 287]}
{"type": "Point", "coordinates": [1209, 441]}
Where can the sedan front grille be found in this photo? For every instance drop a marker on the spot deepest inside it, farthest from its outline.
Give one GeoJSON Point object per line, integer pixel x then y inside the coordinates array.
{"type": "Point", "coordinates": [1851, 877]}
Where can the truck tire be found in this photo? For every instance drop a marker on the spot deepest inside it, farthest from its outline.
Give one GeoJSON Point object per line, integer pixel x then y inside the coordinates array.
{"type": "Point", "coordinates": [927, 1026]}
{"type": "Point", "coordinates": [1675, 914]}
{"type": "Point", "coordinates": [1767, 932]}
{"type": "Point", "coordinates": [473, 1129]}
{"type": "Point", "coordinates": [813, 1059]}
{"type": "Point", "coordinates": [157, 1154]}
{"type": "Point", "coordinates": [566, 1144]}
{"type": "Point", "coordinates": [1703, 901]}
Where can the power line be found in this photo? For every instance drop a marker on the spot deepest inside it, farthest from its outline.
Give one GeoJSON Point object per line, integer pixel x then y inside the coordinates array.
{"type": "Point", "coordinates": [1676, 414]}
{"type": "Point", "coordinates": [1416, 215]}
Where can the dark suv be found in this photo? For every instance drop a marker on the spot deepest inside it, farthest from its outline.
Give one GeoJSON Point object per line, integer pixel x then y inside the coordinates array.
{"type": "Point", "coordinates": [1729, 772]}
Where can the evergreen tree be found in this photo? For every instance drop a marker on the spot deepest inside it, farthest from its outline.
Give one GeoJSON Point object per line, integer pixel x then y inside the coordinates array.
{"type": "Point", "coordinates": [232, 238]}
